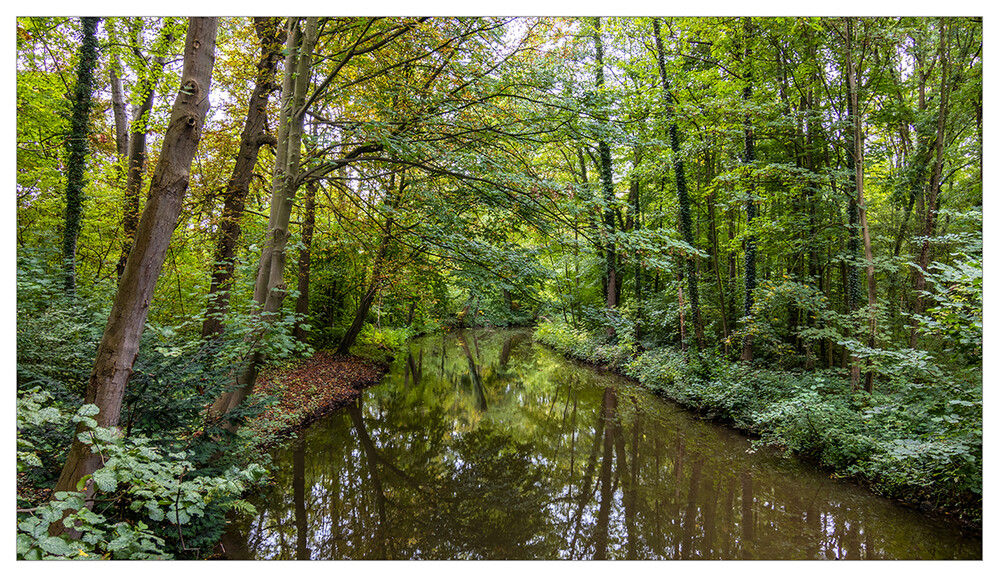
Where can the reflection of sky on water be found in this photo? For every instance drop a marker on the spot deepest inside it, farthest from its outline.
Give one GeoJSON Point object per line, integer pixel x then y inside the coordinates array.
{"type": "Point", "coordinates": [501, 449]}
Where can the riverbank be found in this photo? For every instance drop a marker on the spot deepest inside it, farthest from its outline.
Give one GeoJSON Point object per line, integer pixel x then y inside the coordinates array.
{"type": "Point", "coordinates": [310, 389]}
{"type": "Point", "coordinates": [872, 439]}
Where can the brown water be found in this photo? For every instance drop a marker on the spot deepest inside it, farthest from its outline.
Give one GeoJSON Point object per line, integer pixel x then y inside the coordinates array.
{"type": "Point", "coordinates": [484, 445]}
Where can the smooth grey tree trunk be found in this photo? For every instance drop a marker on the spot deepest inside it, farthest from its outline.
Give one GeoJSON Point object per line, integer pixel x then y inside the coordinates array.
{"type": "Point", "coordinates": [270, 288]}
{"type": "Point", "coordinates": [137, 153]}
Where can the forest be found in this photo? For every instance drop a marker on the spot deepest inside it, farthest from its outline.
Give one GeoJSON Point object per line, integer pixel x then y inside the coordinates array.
{"type": "Point", "coordinates": [775, 222]}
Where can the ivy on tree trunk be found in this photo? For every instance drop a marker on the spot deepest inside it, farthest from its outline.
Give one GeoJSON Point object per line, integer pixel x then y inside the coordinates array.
{"type": "Point", "coordinates": [77, 146]}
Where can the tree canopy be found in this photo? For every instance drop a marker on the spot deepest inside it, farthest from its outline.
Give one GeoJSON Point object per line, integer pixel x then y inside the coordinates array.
{"type": "Point", "coordinates": [799, 193]}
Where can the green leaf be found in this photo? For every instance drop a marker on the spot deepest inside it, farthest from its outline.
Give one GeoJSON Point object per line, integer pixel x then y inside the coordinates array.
{"type": "Point", "coordinates": [88, 410]}
{"type": "Point", "coordinates": [105, 479]}
{"type": "Point", "coordinates": [56, 546]}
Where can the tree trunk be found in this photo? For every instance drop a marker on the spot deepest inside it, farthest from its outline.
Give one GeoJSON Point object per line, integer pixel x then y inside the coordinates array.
{"type": "Point", "coordinates": [120, 342]}
{"type": "Point", "coordinates": [78, 149]}
{"type": "Point", "coordinates": [377, 279]}
{"type": "Point", "coordinates": [269, 288]}
{"type": "Point", "coordinates": [304, 261]}
{"type": "Point", "coordinates": [855, 156]}
{"type": "Point", "coordinates": [923, 261]}
{"type": "Point", "coordinates": [683, 198]}
{"type": "Point", "coordinates": [137, 153]}
{"type": "Point", "coordinates": [716, 264]}
{"type": "Point", "coordinates": [120, 116]}
{"type": "Point", "coordinates": [607, 185]}
{"type": "Point", "coordinates": [749, 157]}
{"type": "Point", "coordinates": [634, 224]}
{"type": "Point", "coordinates": [271, 37]}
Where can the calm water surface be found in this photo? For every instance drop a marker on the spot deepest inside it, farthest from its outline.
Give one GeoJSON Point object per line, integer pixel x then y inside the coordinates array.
{"type": "Point", "coordinates": [483, 445]}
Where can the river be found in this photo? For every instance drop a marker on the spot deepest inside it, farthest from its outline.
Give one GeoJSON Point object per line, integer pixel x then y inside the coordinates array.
{"type": "Point", "coordinates": [483, 445]}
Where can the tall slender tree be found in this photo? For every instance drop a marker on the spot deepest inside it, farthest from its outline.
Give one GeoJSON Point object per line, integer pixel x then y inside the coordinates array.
{"type": "Point", "coordinates": [683, 196]}
{"type": "Point", "coordinates": [748, 159]}
{"type": "Point", "coordinates": [76, 143]}
{"type": "Point", "coordinates": [855, 153]}
{"type": "Point", "coordinates": [271, 36]}
{"type": "Point", "coordinates": [150, 75]}
{"type": "Point", "coordinates": [305, 260]}
{"type": "Point", "coordinates": [270, 287]}
{"type": "Point", "coordinates": [936, 174]}
{"type": "Point", "coordinates": [607, 186]}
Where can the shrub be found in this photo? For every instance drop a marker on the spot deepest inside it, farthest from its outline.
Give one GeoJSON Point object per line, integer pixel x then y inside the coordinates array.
{"type": "Point", "coordinates": [581, 344]}
{"type": "Point", "coordinates": [146, 497]}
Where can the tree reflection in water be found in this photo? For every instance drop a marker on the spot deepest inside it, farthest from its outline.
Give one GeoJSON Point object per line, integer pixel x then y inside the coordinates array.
{"type": "Point", "coordinates": [507, 451]}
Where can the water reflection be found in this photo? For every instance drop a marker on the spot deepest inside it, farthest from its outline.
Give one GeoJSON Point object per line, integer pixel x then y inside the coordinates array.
{"type": "Point", "coordinates": [481, 445]}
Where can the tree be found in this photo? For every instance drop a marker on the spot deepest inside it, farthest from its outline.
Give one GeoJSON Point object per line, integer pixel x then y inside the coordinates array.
{"type": "Point", "coordinates": [76, 145]}
{"type": "Point", "coordinates": [305, 260]}
{"type": "Point", "coordinates": [749, 158]}
{"type": "Point", "coordinates": [271, 36]}
{"type": "Point", "coordinates": [855, 155]}
{"type": "Point", "coordinates": [377, 272]}
{"type": "Point", "coordinates": [606, 185]}
{"type": "Point", "coordinates": [270, 288]}
{"type": "Point", "coordinates": [120, 342]}
{"type": "Point", "coordinates": [686, 223]}
{"type": "Point", "coordinates": [150, 75]}
{"type": "Point", "coordinates": [923, 260]}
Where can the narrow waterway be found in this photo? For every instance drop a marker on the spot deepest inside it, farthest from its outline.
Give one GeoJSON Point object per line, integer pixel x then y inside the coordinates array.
{"type": "Point", "coordinates": [483, 445]}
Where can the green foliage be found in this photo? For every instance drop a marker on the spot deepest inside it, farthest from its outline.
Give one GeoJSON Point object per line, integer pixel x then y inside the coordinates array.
{"type": "Point", "coordinates": [583, 345]}
{"type": "Point", "coordinates": [77, 145]}
{"type": "Point", "coordinates": [57, 336]}
{"type": "Point", "coordinates": [153, 494]}
{"type": "Point", "coordinates": [957, 315]}
{"type": "Point", "coordinates": [508, 212]}
{"type": "Point", "coordinates": [381, 345]}
{"type": "Point", "coordinates": [99, 539]}
{"type": "Point", "coordinates": [34, 414]}
{"type": "Point", "coordinates": [768, 323]}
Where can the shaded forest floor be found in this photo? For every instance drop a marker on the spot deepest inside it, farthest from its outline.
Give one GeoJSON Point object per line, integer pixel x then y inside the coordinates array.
{"type": "Point", "coordinates": [311, 389]}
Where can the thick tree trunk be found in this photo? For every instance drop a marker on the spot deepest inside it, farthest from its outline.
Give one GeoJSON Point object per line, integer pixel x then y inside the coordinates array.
{"type": "Point", "coordinates": [77, 145]}
{"type": "Point", "coordinates": [271, 36]}
{"type": "Point", "coordinates": [120, 343]}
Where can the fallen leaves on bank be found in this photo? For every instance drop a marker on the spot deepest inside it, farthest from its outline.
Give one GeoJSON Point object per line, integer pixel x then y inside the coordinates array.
{"type": "Point", "coordinates": [311, 389]}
